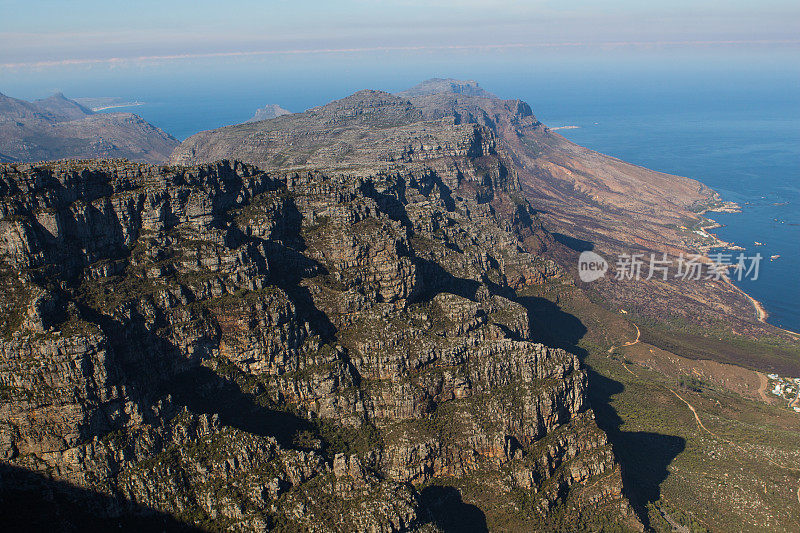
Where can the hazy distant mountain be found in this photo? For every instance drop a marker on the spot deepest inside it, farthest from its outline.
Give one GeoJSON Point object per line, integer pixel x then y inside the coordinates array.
{"type": "Point", "coordinates": [99, 103]}
{"type": "Point", "coordinates": [11, 108]}
{"type": "Point", "coordinates": [267, 112]}
{"type": "Point", "coordinates": [440, 85]}
{"type": "Point", "coordinates": [586, 195]}
{"type": "Point", "coordinates": [62, 107]}
{"type": "Point", "coordinates": [60, 128]}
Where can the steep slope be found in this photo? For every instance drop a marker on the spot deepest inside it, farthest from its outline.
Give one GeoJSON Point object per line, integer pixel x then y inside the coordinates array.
{"type": "Point", "coordinates": [599, 202]}
{"type": "Point", "coordinates": [575, 188]}
{"type": "Point", "coordinates": [62, 108]}
{"type": "Point", "coordinates": [59, 128]}
{"type": "Point", "coordinates": [318, 350]}
{"type": "Point", "coordinates": [594, 200]}
{"type": "Point", "coordinates": [571, 186]}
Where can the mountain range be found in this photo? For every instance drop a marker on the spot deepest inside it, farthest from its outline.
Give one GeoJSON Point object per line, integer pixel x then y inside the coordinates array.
{"type": "Point", "coordinates": [57, 127]}
{"type": "Point", "coordinates": [584, 197]}
{"type": "Point", "coordinates": [368, 317]}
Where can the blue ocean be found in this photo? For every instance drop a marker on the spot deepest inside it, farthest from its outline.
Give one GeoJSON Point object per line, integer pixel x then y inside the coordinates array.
{"type": "Point", "coordinates": [727, 119]}
{"type": "Point", "coordinates": [747, 148]}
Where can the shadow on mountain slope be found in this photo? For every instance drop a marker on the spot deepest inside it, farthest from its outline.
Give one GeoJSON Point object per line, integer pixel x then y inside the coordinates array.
{"type": "Point", "coordinates": [579, 245]}
{"type": "Point", "coordinates": [31, 502]}
{"type": "Point", "coordinates": [450, 513]}
{"type": "Point", "coordinates": [438, 280]}
{"type": "Point", "coordinates": [203, 391]}
{"type": "Point", "coordinates": [552, 326]}
{"type": "Point", "coordinates": [643, 456]}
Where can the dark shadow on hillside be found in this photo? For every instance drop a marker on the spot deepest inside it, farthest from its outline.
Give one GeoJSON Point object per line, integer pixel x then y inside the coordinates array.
{"type": "Point", "coordinates": [438, 280]}
{"type": "Point", "coordinates": [204, 391]}
{"type": "Point", "coordinates": [552, 326]}
{"type": "Point", "coordinates": [391, 205]}
{"type": "Point", "coordinates": [579, 245]}
{"type": "Point", "coordinates": [450, 513]}
{"type": "Point", "coordinates": [31, 502]}
{"type": "Point", "coordinates": [151, 367]}
{"type": "Point", "coordinates": [644, 456]}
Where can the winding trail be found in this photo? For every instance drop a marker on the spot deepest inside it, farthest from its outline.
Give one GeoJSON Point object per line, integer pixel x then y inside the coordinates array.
{"type": "Point", "coordinates": [638, 334]}
{"type": "Point", "coordinates": [702, 426]}
{"type": "Point", "coordinates": [697, 417]}
{"type": "Point", "coordinates": [796, 402]}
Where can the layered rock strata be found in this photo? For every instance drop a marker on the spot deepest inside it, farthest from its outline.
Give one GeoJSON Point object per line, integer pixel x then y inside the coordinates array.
{"type": "Point", "coordinates": [307, 349]}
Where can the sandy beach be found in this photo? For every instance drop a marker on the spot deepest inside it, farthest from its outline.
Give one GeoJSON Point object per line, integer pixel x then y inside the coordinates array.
{"type": "Point", "coordinates": [114, 106]}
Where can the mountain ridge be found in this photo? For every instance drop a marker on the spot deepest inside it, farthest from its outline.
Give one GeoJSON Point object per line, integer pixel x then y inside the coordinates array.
{"type": "Point", "coordinates": [60, 128]}
{"type": "Point", "coordinates": [351, 339]}
{"type": "Point", "coordinates": [374, 323]}
{"type": "Point", "coordinates": [588, 196]}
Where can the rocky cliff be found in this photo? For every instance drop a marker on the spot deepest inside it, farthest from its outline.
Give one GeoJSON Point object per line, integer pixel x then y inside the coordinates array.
{"type": "Point", "coordinates": [307, 349]}
{"type": "Point", "coordinates": [576, 189]}
{"type": "Point", "coordinates": [587, 199]}
{"type": "Point", "coordinates": [60, 128]}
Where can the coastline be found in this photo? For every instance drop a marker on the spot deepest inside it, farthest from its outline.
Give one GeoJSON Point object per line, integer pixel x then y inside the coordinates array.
{"type": "Point", "coordinates": [761, 313]}
{"type": "Point", "coordinates": [114, 106]}
{"type": "Point", "coordinates": [730, 207]}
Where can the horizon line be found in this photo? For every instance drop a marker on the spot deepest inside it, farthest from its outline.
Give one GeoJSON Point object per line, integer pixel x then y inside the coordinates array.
{"type": "Point", "coordinates": [244, 53]}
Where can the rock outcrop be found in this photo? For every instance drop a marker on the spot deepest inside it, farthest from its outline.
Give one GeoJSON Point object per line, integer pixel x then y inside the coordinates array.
{"type": "Point", "coordinates": [589, 200]}
{"type": "Point", "coordinates": [267, 112]}
{"type": "Point", "coordinates": [246, 349]}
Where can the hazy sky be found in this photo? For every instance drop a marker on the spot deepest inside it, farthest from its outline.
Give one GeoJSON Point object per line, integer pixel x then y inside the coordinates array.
{"type": "Point", "coordinates": [46, 33]}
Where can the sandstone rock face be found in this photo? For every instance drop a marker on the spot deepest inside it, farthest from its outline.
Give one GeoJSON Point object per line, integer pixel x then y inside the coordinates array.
{"type": "Point", "coordinates": [580, 194]}
{"type": "Point", "coordinates": [248, 350]}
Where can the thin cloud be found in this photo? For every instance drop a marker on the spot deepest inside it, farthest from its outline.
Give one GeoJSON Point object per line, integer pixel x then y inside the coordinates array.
{"type": "Point", "coordinates": [352, 50]}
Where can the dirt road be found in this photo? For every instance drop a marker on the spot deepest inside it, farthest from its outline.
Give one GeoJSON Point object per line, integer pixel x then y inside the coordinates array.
{"type": "Point", "coordinates": [631, 343]}
{"type": "Point", "coordinates": [762, 387]}
{"type": "Point", "coordinates": [702, 426]}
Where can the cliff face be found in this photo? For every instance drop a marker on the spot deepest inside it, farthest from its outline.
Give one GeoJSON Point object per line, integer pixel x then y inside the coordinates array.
{"type": "Point", "coordinates": [590, 195]}
{"type": "Point", "coordinates": [595, 201]}
{"type": "Point", "coordinates": [59, 128]}
{"type": "Point", "coordinates": [300, 349]}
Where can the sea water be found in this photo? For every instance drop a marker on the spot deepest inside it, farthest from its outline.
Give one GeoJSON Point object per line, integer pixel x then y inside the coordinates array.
{"type": "Point", "coordinates": [746, 147]}
{"type": "Point", "coordinates": [731, 121]}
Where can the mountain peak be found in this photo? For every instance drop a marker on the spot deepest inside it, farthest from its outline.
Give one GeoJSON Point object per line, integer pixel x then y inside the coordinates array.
{"type": "Point", "coordinates": [269, 111]}
{"type": "Point", "coordinates": [62, 107]}
{"type": "Point", "coordinates": [447, 86]}
{"type": "Point", "coordinates": [368, 106]}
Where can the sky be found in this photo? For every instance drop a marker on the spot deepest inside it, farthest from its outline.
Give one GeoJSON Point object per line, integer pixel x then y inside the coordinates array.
{"type": "Point", "coordinates": [41, 34]}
